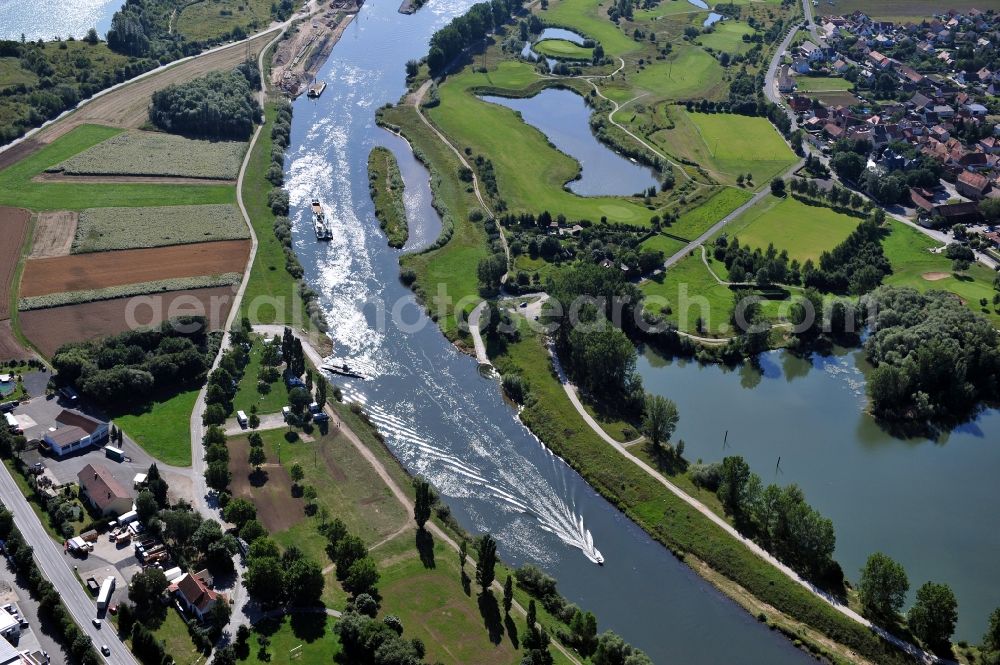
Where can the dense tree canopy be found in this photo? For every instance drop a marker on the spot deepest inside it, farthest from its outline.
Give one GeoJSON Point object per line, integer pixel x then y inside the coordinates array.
{"type": "Point", "coordinates": [219, 105]}
{"type": "Point", "coordinates": [935, 360]}
{"type": "Point", "coordinates": [883, 587]}
{"type": "Point", "coordinates": [463, 31]}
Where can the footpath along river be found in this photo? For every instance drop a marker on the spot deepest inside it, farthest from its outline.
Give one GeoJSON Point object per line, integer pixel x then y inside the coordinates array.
{"type": "Point", "coordinates": [438, 414]}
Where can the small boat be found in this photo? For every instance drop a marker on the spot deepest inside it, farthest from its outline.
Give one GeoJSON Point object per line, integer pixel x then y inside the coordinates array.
{"type": "Point", "coordinates": [316, 89]}
{"type": "Point", "coordinates": [340, 366]}
{"type": "Point", "coordinates": [599, 558]}
{"type": "Point", "coordinates": [322, 226]}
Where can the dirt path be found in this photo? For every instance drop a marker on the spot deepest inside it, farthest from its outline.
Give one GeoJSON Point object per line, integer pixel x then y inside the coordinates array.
{"type": "Point", "coordinates": [54, 233]}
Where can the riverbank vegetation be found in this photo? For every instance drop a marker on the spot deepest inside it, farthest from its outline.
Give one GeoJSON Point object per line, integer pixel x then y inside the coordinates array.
{"type": "Point", "coordinates": [385, 185]}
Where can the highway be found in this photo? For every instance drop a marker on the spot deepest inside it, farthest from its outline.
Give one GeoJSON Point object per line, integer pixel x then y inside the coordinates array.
{"type": "Point", "coordinates": [55, 565]}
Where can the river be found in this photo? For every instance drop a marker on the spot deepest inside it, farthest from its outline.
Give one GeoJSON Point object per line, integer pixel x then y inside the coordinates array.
{"type": "Point", "coordinates": [439, 415]}
{"type": "Point", "coordinates": [931, 505]}
{"type": "Point", "coordinates": [45, 19]}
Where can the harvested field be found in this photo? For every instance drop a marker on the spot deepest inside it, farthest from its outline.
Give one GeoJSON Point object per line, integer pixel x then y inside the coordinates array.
{"type": "Point", "coordinates": [54, 232]}
{"type": "Point", "coordinates": [107, 229]}
{"type": "Point", "coordinates": [82, 272]}
{"type": "Point", "coordinates": [270, 491]}
{"type": "Point", "coordinates": [13, 230]}
{"type": "Point", "coordinates": [10, 348]}
{"type": "Point", "coordinates": [18, 152]}
{"type": "Point", "coordinates": [48, 329]}
{"type": "Point", "coordinates": [156, 154]}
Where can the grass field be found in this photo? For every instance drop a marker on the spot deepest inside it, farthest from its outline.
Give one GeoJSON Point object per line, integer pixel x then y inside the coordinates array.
{"type": "Point", "coordinates": [18, 189]}
{"type": "Point", "coordinates": [908, 250]}
{"type": "Point", "coordinates": [163, 431]}
{"type": "Point", "coordinates": [311, 635]}
{"type": "Point", "coordinates": [904, 10]}
{"type": "Point", "coordinates": [208, 19]}
{"type": "Point", "coordinates": [669, 246]}
{"type": "Point", "coordinates": [270, 290]}
{"type": "Point", "coordinates": [105, 229]}
{"type": "Point", "coordinates": [805, 231]}
{"type": "Point", "coordinates": [688, 72]}
{"type": "Point", "coordinates": [12, 73]}
{"type": "Point", "coordinates": [691, 292]}
{"type": "Point", "coordinates": [157, 154]}
{"type": "Point", "coordinates": [742, 144]}
{"type": "Point", "coordinates": [454, 264]}
{"type": "Point", "coordinates": [692, 224]}
{"type": "Point", "coordinates": [821, 83]}
{"type": "Point", "coordinates": [561, 48]}
{"type": "Point", "coordinates": [727, 36]}
{"type": "Point", "coordinates": [590, 19]}
{"type": "Point", "coordinates": [667, 8]}
{"type": "Point", "coordinates": [530, 172]}
{"type": "Point", "coordinates": [247, 394]}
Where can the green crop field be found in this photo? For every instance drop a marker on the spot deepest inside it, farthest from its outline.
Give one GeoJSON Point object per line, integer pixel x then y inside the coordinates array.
{"type": "Point", "coordinates": [152, 153]}
{"type": "Point", "coordinates": [530, 172]}
{"type": "Point", "coordinates": [105, 229]}
{"type": "Point", "coordinates": [561, 48]}
{"type": "Point", "coordinates": [690, 292]}
{"type": "Point", "coordinates": [822, 83]}
{"type": "Point", "coordinates": [913, 264]}
{"type": "Point", "coordinates": [688, 72]}
{"type": "Point", "coordinates": [692, 224]}
{"type": "Point", "coordinates": [164, 430]}
{"type": "Point", "coordinates": [590, 19]}
{"type": "Point", "coordinates": [805, 231]}
{"type": "Point", "coordinates": [727, 36]}
{"type": "Point", "coordinates": [17, 187]}
{"type": "Point", "coordinates": [905, 10]}
{"type": "Point", "coordinates": [128, 290]}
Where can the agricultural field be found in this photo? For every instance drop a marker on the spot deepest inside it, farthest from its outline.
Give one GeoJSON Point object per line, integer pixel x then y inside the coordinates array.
{"type": "Point", "coordinates": [836, 98]}
{"type": "Point", "coordinates": [14, 224]}
{"type": "Point", "coordinates": [805, 231]}
{"type": "Point", "coordinates": [10, 346]}
{"type": "Point", "coordinates": [529, 171]}
{"type": "Point", "coordinates": [914, 265]}
{"type": "Point", "coordinates": [128, 290]}
{"type": "Point", "coordinates": [822, 83]}
{"type": "Point", "coordinates": [106, 229]}
{"type": "Point", "coordinates": [727, 37]}
{"type": "Point", "coordinates": [48, 329]}
{"type": "Point", "coordinates": [154, 154]}
{"type": "Point", "coordinates": [18, 186]}
{"type": "Point", "coordinates": [900, 10]}
{"type": "Point", "coordinates": [689, 292]}
{"type": "Point", "coordinates": [80, 272]}
{"type": "Point", "coordinates": [563, 49]}
{"type": "Point", "coordinates": [693, 223]}
{"type": "Point", "coordinates": [54, 233]}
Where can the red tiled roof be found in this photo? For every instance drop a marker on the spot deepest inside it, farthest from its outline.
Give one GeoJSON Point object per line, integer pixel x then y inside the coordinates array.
{"type": "Point", "coordinates": [196, 592]}
{"type": "Point", "coordinates": [101, 486]}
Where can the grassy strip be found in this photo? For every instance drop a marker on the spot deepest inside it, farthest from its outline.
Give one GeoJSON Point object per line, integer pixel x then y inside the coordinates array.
{"type": "Point", "coordinates": [664, 516]}
{"type": "Point", "coordinates": [18, 189]}
{"type": "Point", "coordinates": [385, 184]}
{"type": "Point", "coordinates": [162, 430]}
{"type": "Point", "coordinates": [128, 290]}
{"type": "Point", "coordinates": [107, 229]}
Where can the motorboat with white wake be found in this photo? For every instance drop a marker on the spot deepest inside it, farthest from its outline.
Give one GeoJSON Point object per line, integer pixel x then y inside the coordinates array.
{"type": "Point", "coordinates": [323, 229]}
{"type": "Point", "coordinates": [340, 366]}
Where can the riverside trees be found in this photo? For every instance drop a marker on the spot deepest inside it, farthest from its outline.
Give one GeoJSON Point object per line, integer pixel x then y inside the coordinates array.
{"type": "Point", "coordinates": [883, 587]}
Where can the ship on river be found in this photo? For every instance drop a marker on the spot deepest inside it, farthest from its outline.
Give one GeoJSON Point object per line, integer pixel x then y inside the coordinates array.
{"type": "Point", "coordinates": [320, 222]}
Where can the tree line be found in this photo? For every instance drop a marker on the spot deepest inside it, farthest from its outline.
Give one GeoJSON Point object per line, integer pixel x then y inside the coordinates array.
{"type": "Point", "coordinates": [219, 105]}
{"type": "Point", "coordinates": [463, 31]}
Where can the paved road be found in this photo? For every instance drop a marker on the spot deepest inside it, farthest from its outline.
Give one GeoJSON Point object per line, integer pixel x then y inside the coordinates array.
{"type": "Point", "coordinates": [55, 566]}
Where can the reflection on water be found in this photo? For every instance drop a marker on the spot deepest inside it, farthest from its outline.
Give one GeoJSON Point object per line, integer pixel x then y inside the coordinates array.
{"type": "Point", "coordinates": [46, 19]}
{"type": "Point", "coordinates": [929, 504]}
{"type": "Point", "coordinates": [564, 117]}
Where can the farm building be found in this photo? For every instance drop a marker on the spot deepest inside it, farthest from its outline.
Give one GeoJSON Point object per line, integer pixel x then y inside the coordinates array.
{"type": "Point", "coordinates": [193, 593]}
{"type": "Point", "coordinates": [74, 431]}
{"type": "Point", "coordinates": [102, 491]}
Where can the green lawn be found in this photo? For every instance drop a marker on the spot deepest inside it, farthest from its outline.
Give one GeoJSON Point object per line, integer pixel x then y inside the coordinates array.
{"type": "Point", "coordinates": [18, 189]}
{"type": "Point", "coordinates": [163, 431]}
{"type": "Point", "coordinates": [669, 246]}
{"type": "Point", "coordinates": [530, 172]}
{"type": "Point", "coordinates": [805, 231]}
{"type": "Point", "coordinates": [821, 83]}
{"type": "Point", "coordinates": [667, 8]}
{"type": "Point", "coordinates": [692, 224]}
{"type": "Point", "coordinates": [310, 635]}
{"type": "Point", "coordinates": [690, 292]}
{"type": "Point", "coordinates": [743, 144]}
{"type": "Point", "coordinates": [727, 36]}
{"type": "Point", "coordinates": [688, 72]}
{"type": "Point", "coordinates": [247, 393]}
{"type": "Point", "coordinates": [173, 632]}
{"type": "Point", "coordinates": [561, 48]}
{"type": "Point", "coordinates": [590, 19]}
{"type": "Point", "coordinates": [270, 291]}
{"type": "Point", "coordinates": [908, 250]}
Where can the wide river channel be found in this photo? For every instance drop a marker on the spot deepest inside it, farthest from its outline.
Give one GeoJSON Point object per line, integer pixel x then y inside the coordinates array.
{"type": "Point", "coordinates": [439, 415]}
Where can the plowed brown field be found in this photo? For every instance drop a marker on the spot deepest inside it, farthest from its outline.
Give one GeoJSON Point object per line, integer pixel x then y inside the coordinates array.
{"type": "Point", "coordinates": [80, 272]}
{"type": "Point", "coordinates": [13, 230]}
{"type": "Point", "coordinates": [10, 348]}
{"type": "Point", "coordinates": [48, 329]}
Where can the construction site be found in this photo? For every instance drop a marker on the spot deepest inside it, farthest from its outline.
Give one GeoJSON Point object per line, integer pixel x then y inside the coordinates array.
{"type": "Point", "coordinates": [303, 52]}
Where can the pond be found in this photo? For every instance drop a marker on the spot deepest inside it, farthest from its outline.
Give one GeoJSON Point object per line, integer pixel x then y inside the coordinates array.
{"type": "Point", "coordinates": [551, 33]}
{"type": "Point", "coordinates": [45, 19]}
{"type": "Point", "coordinates": [931, 505]}
{"type": "Point", "coordinates": [564, 117]}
